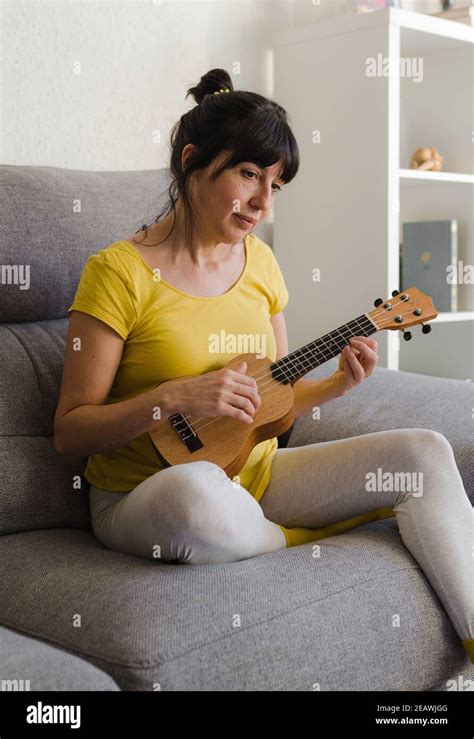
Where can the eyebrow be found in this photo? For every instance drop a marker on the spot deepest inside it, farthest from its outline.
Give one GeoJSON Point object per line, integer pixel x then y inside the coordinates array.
{"type": "Point", "coordinates": [276, 178]}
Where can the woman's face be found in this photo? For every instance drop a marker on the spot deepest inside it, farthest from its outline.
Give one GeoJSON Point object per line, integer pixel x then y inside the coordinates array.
{"type": "Point", "coordinates": [244, 190]}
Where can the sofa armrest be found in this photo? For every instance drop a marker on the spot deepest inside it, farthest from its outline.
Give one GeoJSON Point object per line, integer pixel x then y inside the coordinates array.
{"type": "Point", "coordinates": [393, 400]}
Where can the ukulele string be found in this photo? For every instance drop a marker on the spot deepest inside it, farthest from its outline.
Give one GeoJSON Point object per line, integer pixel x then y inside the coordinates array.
{"type": "Point", "coordinates": [263, 385]}
{"type": "Point", "coordinates": [310, 354]}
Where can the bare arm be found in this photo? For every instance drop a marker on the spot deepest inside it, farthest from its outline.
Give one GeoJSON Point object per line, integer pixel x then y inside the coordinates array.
{"type": "Point", "coordinates": [307, 393]}
{"type": "Point", "coordinates": [84, 423]}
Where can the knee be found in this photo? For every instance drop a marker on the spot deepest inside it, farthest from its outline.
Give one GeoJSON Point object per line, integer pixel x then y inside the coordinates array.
{"type": "Point", "coordinates": [424, 453]}
{"type": "Point", "coordinates": [421, 446]}
{"type": "Point", "coordinates": [195, 502]}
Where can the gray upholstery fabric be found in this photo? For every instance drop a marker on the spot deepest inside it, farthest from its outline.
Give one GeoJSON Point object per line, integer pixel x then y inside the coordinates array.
{"type": "Point", "coordinates": [40, 228]}
{"type": "Point", "coordinates": [38, 488]}
{"type": "Point", "coordinates": [303, 620]}
{"type": "Point", "coordinates": [29, 664]}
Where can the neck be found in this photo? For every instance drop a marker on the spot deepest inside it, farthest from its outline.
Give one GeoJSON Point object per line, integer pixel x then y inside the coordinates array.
{"type": "Point", "coordinates": [202, 251]}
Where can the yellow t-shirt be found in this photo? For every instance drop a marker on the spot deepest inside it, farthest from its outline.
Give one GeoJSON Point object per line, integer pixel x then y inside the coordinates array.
{"type": "Point", "coordinates": [166, 334]}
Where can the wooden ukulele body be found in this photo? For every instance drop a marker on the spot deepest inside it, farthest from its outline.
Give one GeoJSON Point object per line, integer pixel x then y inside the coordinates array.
{"type": "Point", "coordinates": [227, 441]}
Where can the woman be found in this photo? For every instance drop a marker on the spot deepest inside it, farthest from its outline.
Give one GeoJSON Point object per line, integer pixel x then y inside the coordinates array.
{"type": "Point", "coordinates": [144, 313]}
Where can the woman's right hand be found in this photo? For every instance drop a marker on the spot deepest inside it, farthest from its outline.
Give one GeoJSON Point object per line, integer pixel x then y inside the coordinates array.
{"type": "Point", "coordinates": [223, 392]}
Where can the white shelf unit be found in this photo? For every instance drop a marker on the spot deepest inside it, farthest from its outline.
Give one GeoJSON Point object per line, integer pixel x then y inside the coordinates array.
{"type": "Point", "coordinates": [343, 213]}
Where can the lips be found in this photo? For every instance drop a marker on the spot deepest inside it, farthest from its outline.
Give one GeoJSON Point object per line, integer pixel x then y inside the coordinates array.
{"type": "Point", "coordinates": [245, 219]}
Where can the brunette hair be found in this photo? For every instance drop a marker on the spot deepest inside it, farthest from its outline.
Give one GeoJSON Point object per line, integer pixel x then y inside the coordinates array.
{"type": "Point", "coordinates": [254, 129]}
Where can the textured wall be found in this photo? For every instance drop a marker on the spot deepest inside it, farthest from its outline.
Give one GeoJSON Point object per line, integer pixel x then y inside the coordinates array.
{"type": "Point", "coordinates": [88, 85]}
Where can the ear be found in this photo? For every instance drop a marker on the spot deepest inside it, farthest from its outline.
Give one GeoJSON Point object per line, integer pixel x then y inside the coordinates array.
{"type": "Point", "coordinates": [186, 153]}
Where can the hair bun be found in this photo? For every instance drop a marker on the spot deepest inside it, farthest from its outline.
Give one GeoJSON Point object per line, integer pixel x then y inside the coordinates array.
{"type": "Point", "coordinates": [211, 82]}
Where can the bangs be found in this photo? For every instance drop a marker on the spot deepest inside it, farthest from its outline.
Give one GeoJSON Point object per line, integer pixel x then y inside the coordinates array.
{"type": "Point", "coordinates": [265, 145]}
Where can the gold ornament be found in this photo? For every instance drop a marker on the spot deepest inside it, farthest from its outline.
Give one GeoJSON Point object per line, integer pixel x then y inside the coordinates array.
{"type": "Point", "coordinates": [427, 158]}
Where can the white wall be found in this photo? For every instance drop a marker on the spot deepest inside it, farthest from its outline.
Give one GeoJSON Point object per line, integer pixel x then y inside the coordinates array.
{"type": "Point", "coordinates": [136, 58]}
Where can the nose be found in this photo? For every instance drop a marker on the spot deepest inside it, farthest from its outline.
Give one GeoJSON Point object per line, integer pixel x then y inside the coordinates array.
{"type": "Point", "coordinates": [262, 200]}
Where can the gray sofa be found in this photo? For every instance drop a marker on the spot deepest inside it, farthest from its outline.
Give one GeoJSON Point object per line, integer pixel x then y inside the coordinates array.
{"type": "Point", "coordinates": [74, 615]}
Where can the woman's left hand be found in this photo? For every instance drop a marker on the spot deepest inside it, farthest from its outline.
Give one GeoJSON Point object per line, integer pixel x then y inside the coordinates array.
{"type": "Point", "coordinates": [356, 363]}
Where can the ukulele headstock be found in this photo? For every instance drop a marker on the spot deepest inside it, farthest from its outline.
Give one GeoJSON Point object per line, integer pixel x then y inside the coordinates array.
{"type": "Point", "coordinates": [406, 308]}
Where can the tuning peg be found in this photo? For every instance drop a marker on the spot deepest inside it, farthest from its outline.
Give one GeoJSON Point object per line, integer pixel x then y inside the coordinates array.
{"type": "Point", "coordinates": [406, 335]}
{"type": "Point", "coordinates": [378, 302]}
{"type": "Point", "coordinates": [395, 292]}
{"type": "Point", "coordinates": [425, 328]}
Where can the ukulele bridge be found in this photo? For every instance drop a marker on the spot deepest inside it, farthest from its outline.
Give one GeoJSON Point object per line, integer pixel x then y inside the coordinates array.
{"type": "Point", "coordinates": [185, 432]}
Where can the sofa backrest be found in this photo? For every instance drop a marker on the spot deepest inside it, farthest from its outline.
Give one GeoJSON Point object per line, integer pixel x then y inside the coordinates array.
{"type": "Point", "coordinates": [51, 221]}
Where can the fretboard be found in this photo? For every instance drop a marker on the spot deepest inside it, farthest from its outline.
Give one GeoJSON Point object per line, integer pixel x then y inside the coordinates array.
{"type": "Point", "coordinates": [298, 363]}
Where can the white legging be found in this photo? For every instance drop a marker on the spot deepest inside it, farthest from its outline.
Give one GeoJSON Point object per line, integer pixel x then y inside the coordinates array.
{"type": "Point", "coordinates": [194, 513]}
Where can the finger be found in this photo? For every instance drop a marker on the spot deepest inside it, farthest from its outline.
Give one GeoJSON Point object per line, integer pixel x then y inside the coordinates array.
{"type": "Point", "coordinates": [371, 354]}
{"type": "Point", "coordinates": [350, 364]}
{"type": "Point", "coordinates": [356, 367]}
{"type": "Point", "coordinates": [361, 341]}
{"type": "Point", "coordinates": [242, 378]}
{"type": "Point", "coordinates": [240, 401]}
{"type": "Point", "coordinates": [247, 392]}
{"type": "Point", "coordinates": [365, 340]}
{"type": "Point", "coordinates": [362, 346]}
{"type": "Point", "coordinates": [368, 360]}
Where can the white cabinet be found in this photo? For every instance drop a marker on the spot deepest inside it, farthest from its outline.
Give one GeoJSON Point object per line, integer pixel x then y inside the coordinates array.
{"type": "Point", "coordinates": [342, 214]}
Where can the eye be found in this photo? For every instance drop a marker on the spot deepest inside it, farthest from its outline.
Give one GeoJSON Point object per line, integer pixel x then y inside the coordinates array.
{"type": "Point", "coordinates": [249, 171]}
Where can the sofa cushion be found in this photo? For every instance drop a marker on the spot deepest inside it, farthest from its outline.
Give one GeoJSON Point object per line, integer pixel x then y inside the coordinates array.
{"type": "Point", "coordinates": [395, 400]}
{"type": "Point", "coordinates": [39, 488]}
{"type": "Point", "coordinates": [53, 219]}
{"type": "Point", "coordinates": [29, 664]}
{"type": "Point", "coordinates": [314, 614]}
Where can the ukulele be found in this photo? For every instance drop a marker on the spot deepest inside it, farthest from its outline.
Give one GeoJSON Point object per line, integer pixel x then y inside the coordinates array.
{"type": "Point", "coordinates": [228, 441]}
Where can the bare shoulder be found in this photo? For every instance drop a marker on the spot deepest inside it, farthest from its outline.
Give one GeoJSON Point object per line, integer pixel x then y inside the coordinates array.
{"type": "Point", "coordinates": [135, 238]}
{"type": "Point", "coordinates": [145, 238]}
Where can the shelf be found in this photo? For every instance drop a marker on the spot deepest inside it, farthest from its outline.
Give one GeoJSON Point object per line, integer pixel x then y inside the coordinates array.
{"type": "Point", "coordinates": [353, 230]}
{"type": "Point", "coordinates": [422, 33]}
{"type": "Point", "coordinates": [435, 27]}
{"type": "Point", "coordinates": [413, 177]}
{"type": "Point", "coordinates": [455, 316]}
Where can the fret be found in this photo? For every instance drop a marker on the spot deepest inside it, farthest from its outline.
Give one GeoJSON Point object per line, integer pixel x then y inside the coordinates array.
{"type": "Point", "coordinates": [298, 363]}
{"type": "Point", "coordinates": [289, 363]}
